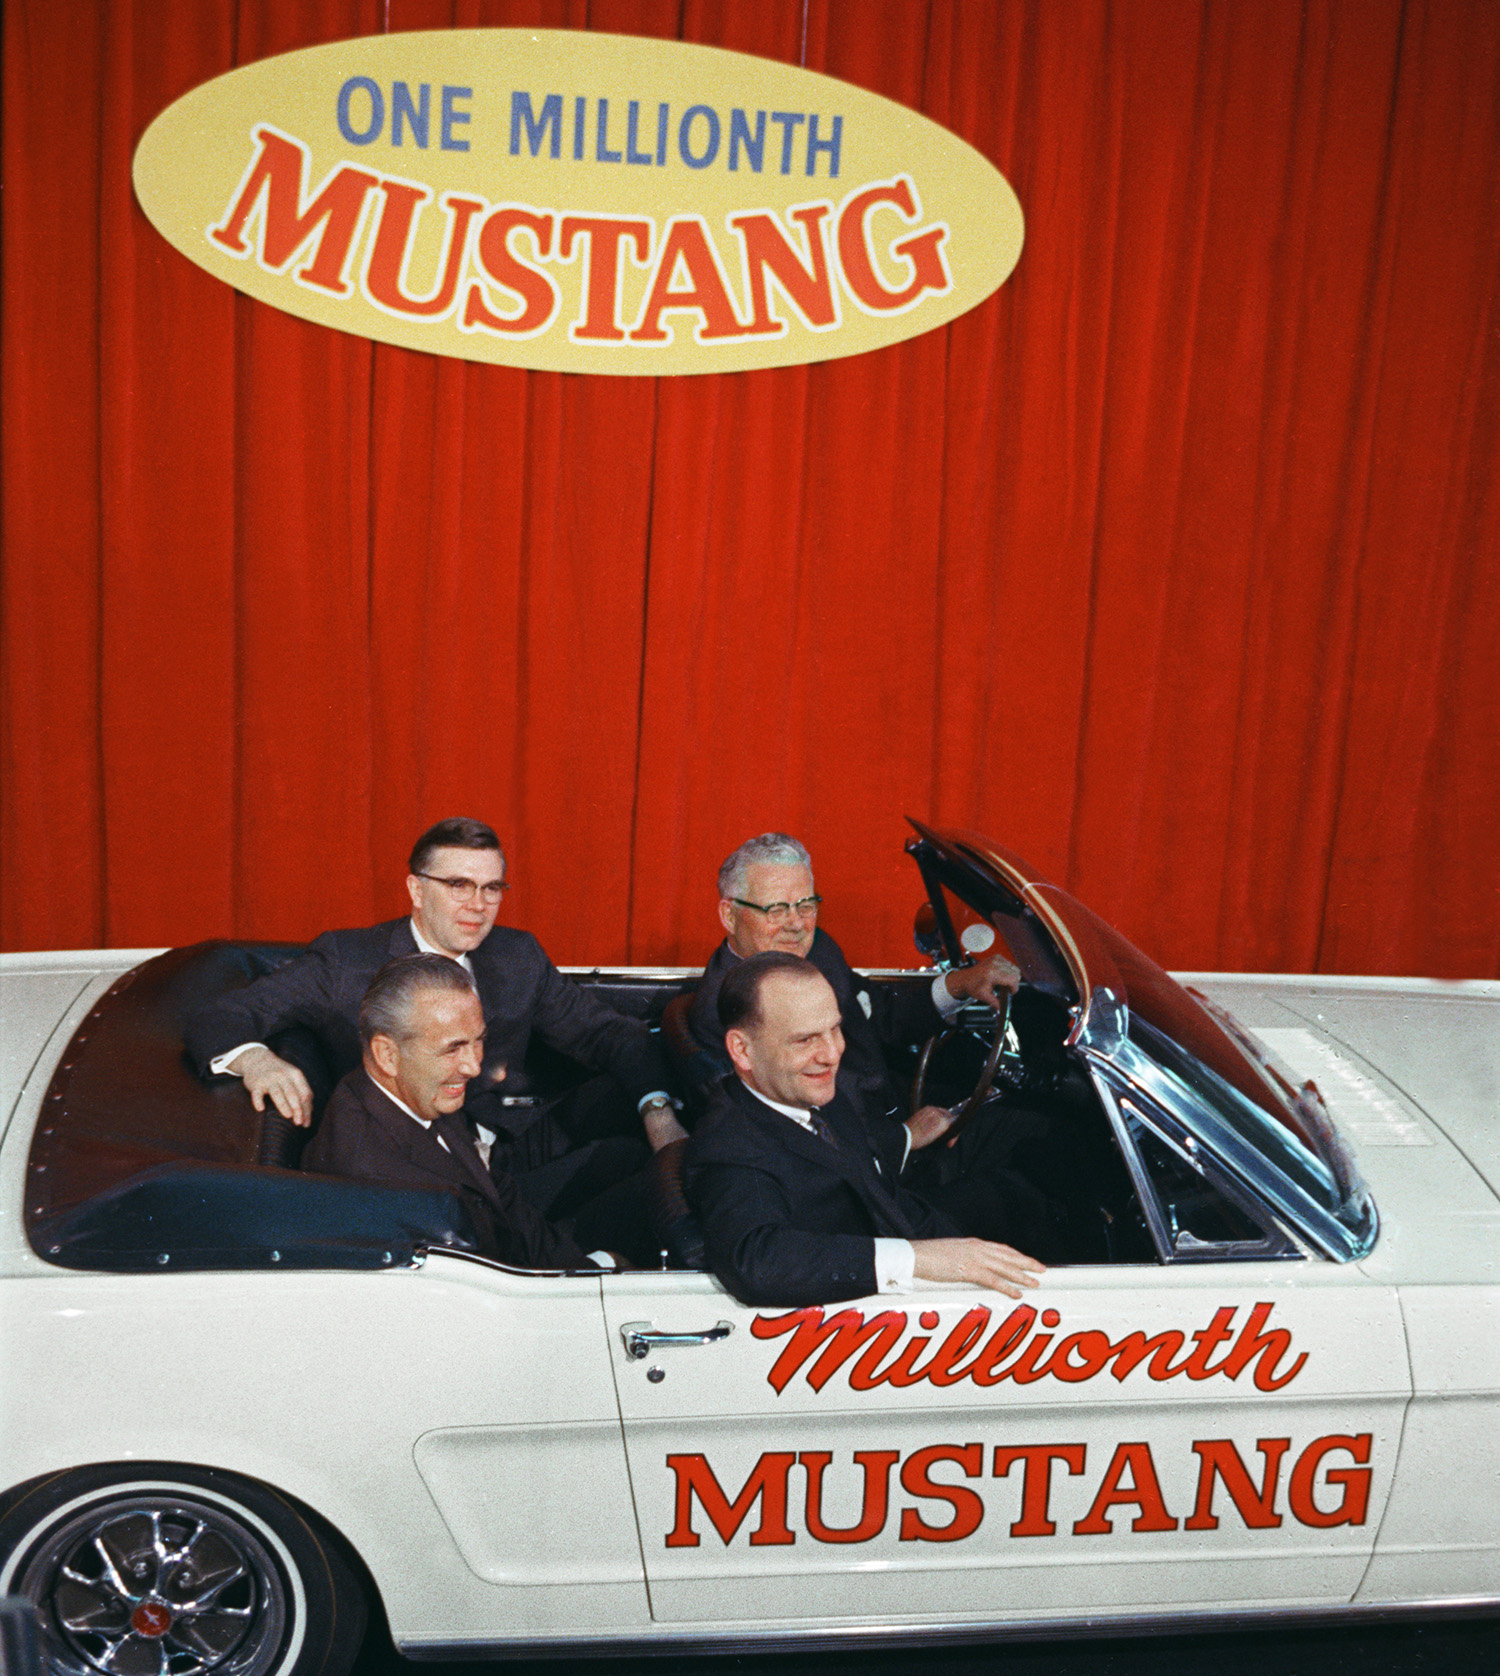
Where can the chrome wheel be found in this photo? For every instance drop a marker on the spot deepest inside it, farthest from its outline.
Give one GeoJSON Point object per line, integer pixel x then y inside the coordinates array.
{"type": "Point", "coordinates": [156, 1586]}
{"type": "Point", "coordinates": [155, 1570]}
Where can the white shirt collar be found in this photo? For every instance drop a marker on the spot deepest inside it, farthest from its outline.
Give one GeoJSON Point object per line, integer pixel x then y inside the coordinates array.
{"type": "Point", "coordinates": [424, 947]}
{"type": "Point", "coordinates": [486, 1135]}
{"type": "Point", "coordinates": [798, 1114]}
{"type": "Point", "coordinates": [426, 1122]}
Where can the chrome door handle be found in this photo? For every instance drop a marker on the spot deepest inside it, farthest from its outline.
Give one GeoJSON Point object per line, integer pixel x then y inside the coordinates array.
{"type": "Point", "coordinates": [641, 1338]}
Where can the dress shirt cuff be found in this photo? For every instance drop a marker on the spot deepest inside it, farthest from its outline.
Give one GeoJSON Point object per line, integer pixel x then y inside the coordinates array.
{"type": "Point", "coordinates": [946, 1002]}
{"type": "Point", "coordinates": [220, 1067]}
{"type": "Point", "coordinates": [655, 1094]}
{"type": "Point", "coordinates": [602, 1259]}
{"type": "Point", "coordinates": [895, 1266]}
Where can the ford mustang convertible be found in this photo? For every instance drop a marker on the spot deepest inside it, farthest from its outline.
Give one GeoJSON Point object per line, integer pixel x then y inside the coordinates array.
{"type": "Point", "coordinates": [240, 1402]}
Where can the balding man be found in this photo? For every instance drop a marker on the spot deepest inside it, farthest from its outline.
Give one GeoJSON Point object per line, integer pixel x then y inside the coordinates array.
{"type": "Point", "coordinates": [399, 1121]}
{"type": "Point", "coordinates": [799, 1196]}
{"type": "Point", "coordinates": [768, 903]}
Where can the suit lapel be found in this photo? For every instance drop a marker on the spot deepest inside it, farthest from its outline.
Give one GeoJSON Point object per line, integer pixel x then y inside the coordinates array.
{"type": "Point", "coordinates": [401, 944]}
{"type": "Point", "coordinates": [851, 1158]}
{"type": "Point", "coordinates": [792, 1136]}
{"type": "Point", "coordinates": [879, 1194]}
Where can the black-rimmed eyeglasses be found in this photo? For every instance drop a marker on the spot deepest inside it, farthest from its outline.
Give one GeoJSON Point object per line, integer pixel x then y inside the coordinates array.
{"type": "Point", "coordinates": [461, 890]}
{"type": "Point", "coordinates": [782, 913]}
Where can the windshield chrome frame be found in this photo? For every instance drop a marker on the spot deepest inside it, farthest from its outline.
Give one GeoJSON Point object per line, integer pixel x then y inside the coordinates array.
{"type": "Point", "coordinates": [1099, 1037]}
{"type": "Point", "coordinates": [1278, 1242]}
{"type": "Point", "coordinates": [1177, 1117]}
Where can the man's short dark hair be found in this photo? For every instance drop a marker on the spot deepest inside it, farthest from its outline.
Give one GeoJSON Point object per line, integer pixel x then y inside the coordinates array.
{"type": "Point", "coordinates": [387, 1005]}
{"type": "Point", "coordinates": [739, 994]}
{"type": "Point", "coordinates": [456, 833]}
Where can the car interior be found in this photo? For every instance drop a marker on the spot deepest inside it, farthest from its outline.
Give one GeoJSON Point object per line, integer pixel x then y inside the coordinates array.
{"type": "Point", "coordinates": [139, 1165]}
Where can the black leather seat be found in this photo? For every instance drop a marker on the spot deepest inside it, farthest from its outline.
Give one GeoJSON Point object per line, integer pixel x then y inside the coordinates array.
{"type": "Point", "coordinates": [697, 1070]}
{"type": "Point", "coordinates": [673, 1225]}
{"type": "Point", "coordinates": [138, 1164]}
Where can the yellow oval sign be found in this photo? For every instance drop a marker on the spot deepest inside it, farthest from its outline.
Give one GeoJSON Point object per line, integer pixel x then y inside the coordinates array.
{"type": "Point", "coordinates": [579, 202]}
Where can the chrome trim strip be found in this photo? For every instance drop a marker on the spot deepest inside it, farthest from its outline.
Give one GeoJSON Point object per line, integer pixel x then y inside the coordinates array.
{"type": "Point", "coordinates": [1156, 1222]}
{"type": "Point", "coordinates": [657, 1639]}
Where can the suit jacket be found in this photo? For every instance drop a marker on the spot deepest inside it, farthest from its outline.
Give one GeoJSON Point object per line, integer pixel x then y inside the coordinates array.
{"type": "Point", "coordinates": [520, 990]}
{"type": "Point", "coordinates": [894, 1019]}
{"type": "Point", "coordinates": [788, 1219]}
{"type": "Point", "coordinates": [365, 1136]}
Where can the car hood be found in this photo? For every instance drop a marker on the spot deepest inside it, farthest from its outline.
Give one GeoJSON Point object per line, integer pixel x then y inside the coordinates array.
{"type": "Point", "coordinates": [1386, 1054]}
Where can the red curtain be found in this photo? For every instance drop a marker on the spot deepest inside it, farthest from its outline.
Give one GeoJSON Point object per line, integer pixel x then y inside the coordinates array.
{"type": "Point", "coordinates": [1172, 566]}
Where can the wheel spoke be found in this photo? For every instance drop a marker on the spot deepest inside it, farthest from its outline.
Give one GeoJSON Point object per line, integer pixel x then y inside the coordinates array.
{"type": "Point", "coordinates": [207, 1567]}
{"type": "Point", "coordinates": [90, 1608]}
{"type": "Point", "coordinates": [211, 1637]}
{"type": "Point", "coordinates": [135, 1656]}
{"type": "Point", "coordinates": [128, 1549]}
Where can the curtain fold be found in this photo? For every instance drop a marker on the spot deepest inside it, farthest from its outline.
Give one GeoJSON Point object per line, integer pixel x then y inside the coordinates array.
{"type": "Point", "coordinates": [1173, 566]}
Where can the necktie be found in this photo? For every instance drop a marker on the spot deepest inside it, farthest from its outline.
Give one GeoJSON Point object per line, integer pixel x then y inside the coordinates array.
{"type": "Point", "coordinates": [821, 1128]}
{"type": "Point", "coordinates": [899, 1223]}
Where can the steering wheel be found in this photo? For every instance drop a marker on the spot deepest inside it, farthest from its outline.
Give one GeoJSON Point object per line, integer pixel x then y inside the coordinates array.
{"type": "Point", "coordinates": [998, 1022]}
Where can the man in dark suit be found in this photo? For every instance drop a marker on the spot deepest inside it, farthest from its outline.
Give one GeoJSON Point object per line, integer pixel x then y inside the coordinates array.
{"type": "Point", "coordinates": [398, 1121]}
{"type": "Point", "coordinates": [767, 903]}
{"type": "Point", "coordinates": [456, 880]}
{"type": "Point", "coordinates": [799, 1196]}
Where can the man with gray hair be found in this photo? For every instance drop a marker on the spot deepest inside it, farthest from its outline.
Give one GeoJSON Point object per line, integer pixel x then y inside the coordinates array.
{"type": "Point", "coordinates": [398, 1121]}
{"type": "Point", "coordinates": [768, 904]}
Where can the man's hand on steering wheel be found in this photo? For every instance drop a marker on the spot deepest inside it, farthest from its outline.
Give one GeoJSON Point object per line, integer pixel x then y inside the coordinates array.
{"type": "Point", "coordinates": [929, 1124]}
{"type": "Point", "coordinates": [985, 980]}
{"type": "Point", "coordinates": [991, 982]}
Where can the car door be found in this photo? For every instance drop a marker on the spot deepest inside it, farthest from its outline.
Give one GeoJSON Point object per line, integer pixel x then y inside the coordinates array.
{"type": "Point", "coordinates": [1130, 1440]}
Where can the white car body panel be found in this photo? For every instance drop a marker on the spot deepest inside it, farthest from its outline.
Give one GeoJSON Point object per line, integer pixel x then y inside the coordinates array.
{"type": "Point", "coordinates": [717, 1401]}
{"type": "Point", "coordinates": [343, 1390]}
{"type": "Point", "coordinates": [501, 1464]}
{"type": "Point", "coordinates": [1433, 1048]}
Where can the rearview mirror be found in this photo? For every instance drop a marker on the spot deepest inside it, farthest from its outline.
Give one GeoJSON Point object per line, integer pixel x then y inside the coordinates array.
{"type": "Point", "coordinates": [925, 933]}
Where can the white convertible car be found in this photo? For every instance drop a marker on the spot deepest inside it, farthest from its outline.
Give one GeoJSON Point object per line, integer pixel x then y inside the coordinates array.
{"type": "Point", "coordinates": [239, 1401]}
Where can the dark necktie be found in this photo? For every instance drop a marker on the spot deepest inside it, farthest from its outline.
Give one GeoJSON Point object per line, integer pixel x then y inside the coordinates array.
{"type": "Point", "coordinates": [822, 1129]}
{"type": "Point", "coordinates": [454, 1128]}
{"type": "Point", "coordinates": [874, 1182]}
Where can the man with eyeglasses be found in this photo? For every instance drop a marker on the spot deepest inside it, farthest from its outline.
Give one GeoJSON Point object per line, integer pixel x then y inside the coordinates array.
{"type": "Point", "coordinates": [456, 880]}
{"type": "Point", "coordinates": [767, 904]}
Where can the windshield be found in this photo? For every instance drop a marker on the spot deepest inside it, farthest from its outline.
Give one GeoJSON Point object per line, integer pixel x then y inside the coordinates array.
{"type": "Point", "coordinates": [1197, 1064]}
{"type": "Point", "coordinates": [1190, 1066]}
{"type": "Point", "coordinates": [1156, 999]}
{"type": "Point", "coordinates": [961, 898]}
{"type": "Point", "coordinates": [1299, 1168]}
{"type": "Point", "coordinates": [1238, 1119]}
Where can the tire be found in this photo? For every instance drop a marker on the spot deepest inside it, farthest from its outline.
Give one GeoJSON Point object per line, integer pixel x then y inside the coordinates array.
{"type": "Point", "coordinates": [150, 1569]}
